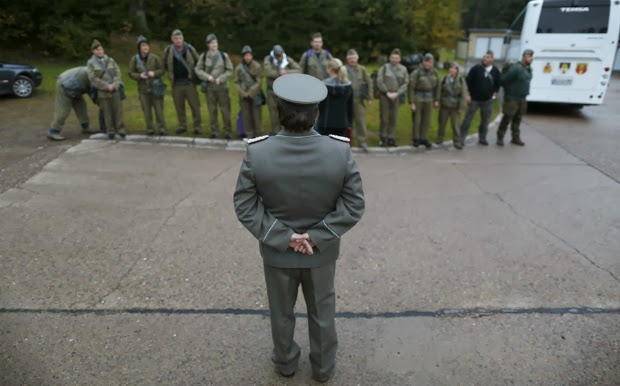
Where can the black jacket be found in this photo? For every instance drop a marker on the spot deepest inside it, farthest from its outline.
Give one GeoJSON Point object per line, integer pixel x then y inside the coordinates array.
{"type": "Point", "coordinates": [336, 111]}
{"type": "Point", "coordinates": [481, 88]}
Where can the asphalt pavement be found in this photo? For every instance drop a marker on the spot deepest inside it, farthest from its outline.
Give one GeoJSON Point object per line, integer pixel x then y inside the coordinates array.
{"type": "Point", "coordinates": [123, 263]}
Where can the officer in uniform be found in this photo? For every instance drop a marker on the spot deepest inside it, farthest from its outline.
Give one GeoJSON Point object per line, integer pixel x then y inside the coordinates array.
{"type": "Point", "coordinates": [424, 89]}
{"type": "Point", "coordinates": [516, 83]}
{"type": "Point", "coordinates": [214, 67]}
{"type": "Point", "coordinates": [105, 75]}
{"type": "Point", "coordinates": [298, 192]}
{"type": "Point", "coordinates": [248, 79]}
{"type": "Point", "coordinates": [70, 88]}
{"type": "Point", "coordinates": [276, 64]}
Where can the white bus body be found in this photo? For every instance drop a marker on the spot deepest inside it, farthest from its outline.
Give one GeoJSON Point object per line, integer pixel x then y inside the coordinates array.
{"type": "Point", "coordinates": [574, 43]}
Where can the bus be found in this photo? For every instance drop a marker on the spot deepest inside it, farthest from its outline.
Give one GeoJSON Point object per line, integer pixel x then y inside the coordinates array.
{"type": "Point", "coordinates": [574, 44]}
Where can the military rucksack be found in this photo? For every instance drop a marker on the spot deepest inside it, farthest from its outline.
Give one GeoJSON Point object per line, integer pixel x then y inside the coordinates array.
{"type": "Point", "coordinates": [506, 66]}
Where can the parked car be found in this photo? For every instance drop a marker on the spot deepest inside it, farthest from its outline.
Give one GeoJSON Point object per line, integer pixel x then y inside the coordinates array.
{"type": "Point", "coordinates": [19, 79]}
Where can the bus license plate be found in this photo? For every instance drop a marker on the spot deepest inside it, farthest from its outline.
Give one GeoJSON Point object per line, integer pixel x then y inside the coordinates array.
{"type": "Point", "coordinates": [562, 81]}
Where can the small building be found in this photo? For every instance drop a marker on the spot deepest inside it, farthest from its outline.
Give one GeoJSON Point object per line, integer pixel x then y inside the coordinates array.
{"type": "Point", "coordinates": [483, 39]}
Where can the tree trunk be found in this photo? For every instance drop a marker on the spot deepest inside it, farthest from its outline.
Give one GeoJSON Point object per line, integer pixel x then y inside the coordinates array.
{"type": "Point", "coordinates": [138, 16]}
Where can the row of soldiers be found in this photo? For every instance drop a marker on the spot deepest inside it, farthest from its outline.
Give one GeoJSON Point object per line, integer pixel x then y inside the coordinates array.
{"type": "Point", "coordinates": [211, 70]}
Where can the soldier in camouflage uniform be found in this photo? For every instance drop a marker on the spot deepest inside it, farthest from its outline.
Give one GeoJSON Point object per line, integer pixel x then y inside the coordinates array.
{"type": "Point", "coordinates": [392, 82]}
{"type": "Point", "coordinates": [516, 83]}
{"type": "Point", "coordinates": [105, 76]}
{"type": "Point", "coordinates": [147, 69]}
{"type": "Point", "coordinates": [179, 60]}
{"type": "Point", "coordinates": [452, 102]}
{"type": "Point", "coordinates": [248, 79]}
{"type": "Point", "coordinates": [214, 67]}
{"type": "Point", "coordinates": [362, 92]}
{"type": "Point", "coordinates": [424, 91]}
{"type": "Point", "coordinates": [70, 89]}
{"type": "Point", "coordinates": [314, 61]}
{"type": "Point", "coordinates": [276, 64]}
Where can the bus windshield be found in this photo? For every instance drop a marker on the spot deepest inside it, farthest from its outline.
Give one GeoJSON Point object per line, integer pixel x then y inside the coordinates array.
{"type": "Point", "coordinates": [556, 19]}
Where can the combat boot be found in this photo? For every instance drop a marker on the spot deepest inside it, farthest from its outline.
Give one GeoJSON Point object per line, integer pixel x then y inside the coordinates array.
{"type": "Point", "coordinates": [87, 130]}
{"type": "Point", "coordinates": [517, 141]}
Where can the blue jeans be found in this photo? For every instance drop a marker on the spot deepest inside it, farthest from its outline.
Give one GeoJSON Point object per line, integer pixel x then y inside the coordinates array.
{"type": "Point", "coordinates": [486, 109]}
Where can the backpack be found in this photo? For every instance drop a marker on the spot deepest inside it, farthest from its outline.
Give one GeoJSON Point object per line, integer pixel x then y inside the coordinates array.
{"type": "Point", "coordinates": [308, 53]}
{"type": "Point", "coordinates": [506, 66]}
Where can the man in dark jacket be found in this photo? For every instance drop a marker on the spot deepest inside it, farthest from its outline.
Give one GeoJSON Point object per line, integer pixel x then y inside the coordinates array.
{"type": "Point", "coordinates": [483, 81]}
{"type": "Point", "coordinates": [516, 83]}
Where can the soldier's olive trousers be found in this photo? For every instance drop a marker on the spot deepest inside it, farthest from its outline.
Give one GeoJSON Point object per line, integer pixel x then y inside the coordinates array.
{"type": "Point", "coordinates": [252, 116]}
{"type": "Point", "coordinates": [62, 108]}
{"type": "Point", "coordinates": [112, 108]}
{"type": "Point", "coordinates": [150, 103]}
{"type": "Point", "coordinates": [454, 116]}
{"type": "Point", "coordinates": [182, 92]}
{"type": "Point", "coordinates": [359, 120]}
{"type": "Point", "coordinates": [274, 118]}
{"type": "Point", "coordinates": [221, 99]}
{"type": "Point", "coordinates": [422, 119]}
{"type": "Point", "coordinates": [486, 109]}
{"type": "Point", "coordinates": [318, 288]}
{"type": "Point", "coordinates": [513, 110]}
{"type": "Point", "coordinates": [388, 110]}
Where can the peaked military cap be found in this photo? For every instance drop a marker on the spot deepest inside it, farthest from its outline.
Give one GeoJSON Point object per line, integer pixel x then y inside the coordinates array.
{"type": "Point", "coordinates": [246, 50]}
{"type": "Point", "coordinates": [300, 89]}
{"type": "Point", "coordinates": [95, 44]}
{"type": "Point", "coordinates": [278, 50]}
{"type": "Point", "coordinates": [528, 52]}
{"type": "Point", "coordinates": [142, 39]}
{"type": "Point", "coordinates": [210, 38]}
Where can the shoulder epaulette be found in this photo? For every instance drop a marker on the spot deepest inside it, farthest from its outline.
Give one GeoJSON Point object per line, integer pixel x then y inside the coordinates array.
{"type": "Point", "coordinates": [339, 138]}
{"type": "Point", "coordinates": [257, 139]}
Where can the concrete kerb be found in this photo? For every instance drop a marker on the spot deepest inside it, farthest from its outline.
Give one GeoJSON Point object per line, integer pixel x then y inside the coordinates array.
{"type": "Point", "coordinates": [208, 143]}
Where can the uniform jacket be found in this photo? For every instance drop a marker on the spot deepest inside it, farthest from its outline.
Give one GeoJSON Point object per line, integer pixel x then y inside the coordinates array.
{"type": "Point", "coordinates": [424, 85]}
{"type": "Point", "coordinates": [248, 81]}
{"type": "Point", "coordinates": [387, 83]}
{"type": "Point", "coordinates": [316, 67]}
{"type": "Point", "coordinates": [453, 94]}
{"type": "Point", "coordinates": [336, 111]}
{"type": "Point", "coordinates": [516, 81]}
{"type": "Point", "coordinates": [222, 70]}
{"type": "Point", "coordinates": [273, 199]}
{"type": "Point", "coordinates": [74, 81]}
{"type": "Point", "coordinates": [360, 81]}
{"type": "Point", "coordinates": [190, 58]}
{"type": "Point", "coordinates": [153, 63]}
{"type": "Point", "coordinates": [481, 87]}
{"type": "Point", "coordinates": [99, 78]}
{"type": "Point", "coordinates": [272, 70]}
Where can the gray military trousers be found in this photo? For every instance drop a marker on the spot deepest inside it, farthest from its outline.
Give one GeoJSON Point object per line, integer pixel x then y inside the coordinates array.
{"type": "Point", "coordinates": [317, 285]}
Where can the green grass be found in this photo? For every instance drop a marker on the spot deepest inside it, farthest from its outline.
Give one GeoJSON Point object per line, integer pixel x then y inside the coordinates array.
{"type": "Point", "coordinates": [134, 120]}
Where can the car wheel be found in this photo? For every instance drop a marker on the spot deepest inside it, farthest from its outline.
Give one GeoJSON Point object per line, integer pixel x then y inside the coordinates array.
{"type": "Point", "coordinates": [23, 87]}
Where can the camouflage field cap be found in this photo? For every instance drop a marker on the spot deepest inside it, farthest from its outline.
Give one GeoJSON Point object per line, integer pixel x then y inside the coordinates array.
{"type": "Point", "coordinates": [528, 52]}
{"type": "Point", "coordinates": [95, 44]}
{"type": "Point", "coordinates": [246, 50]}
{"type": "Point", "coordinates": [300, 89]}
